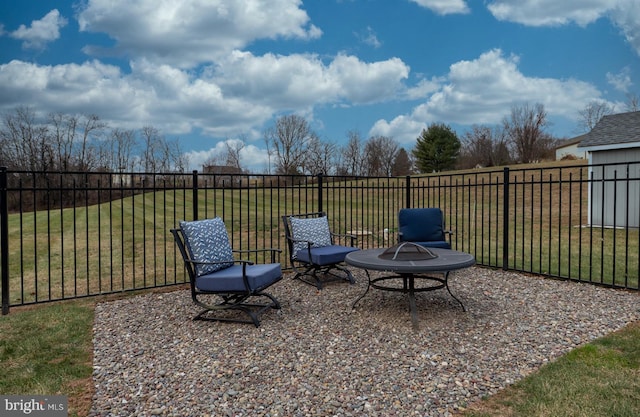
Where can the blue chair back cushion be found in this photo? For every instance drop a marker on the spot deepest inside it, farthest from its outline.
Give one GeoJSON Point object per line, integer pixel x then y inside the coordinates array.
{"type": "Point", "coordinates": [230, 279]}
{"type": "Point", "coordinates": [314, 230]}
{"type": "Point", "coordinates": [326, 255]}
{"type": "Point", "coordinates": [421, 225]}
{"type": "Point", "coordinates": [435, 244]}
{"type": "Point", "coordinates": [208, 241]}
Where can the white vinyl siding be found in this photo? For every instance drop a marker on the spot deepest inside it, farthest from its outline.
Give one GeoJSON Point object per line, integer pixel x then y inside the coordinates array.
{"type": "Point", "coordinates": [615, 204]}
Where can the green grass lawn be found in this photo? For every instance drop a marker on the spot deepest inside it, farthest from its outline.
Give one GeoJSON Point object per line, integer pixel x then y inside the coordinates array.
{"type": "Point", "coordinates": [48, 350]}
{"type": "Point", "coordinates": [601, 378]}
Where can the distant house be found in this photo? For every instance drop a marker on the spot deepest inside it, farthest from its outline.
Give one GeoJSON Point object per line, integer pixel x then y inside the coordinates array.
{"type": "Point", "coordinates": [569, 149]}
{"type": "Point", "coordinates": [223, 175]}
{"type": "Point", "coordinates": [221, 170]}
{"type": "Point", "coordinates": [614, 141]}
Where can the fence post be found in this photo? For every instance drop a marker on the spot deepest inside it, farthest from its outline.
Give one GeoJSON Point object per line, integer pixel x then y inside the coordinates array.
{"type": "Point", "coordinates": [505, 220]}
{"type": "Point", "coordinates": [408, 192]}
{"type": "Point", "coordinates": [320, 204]}
{"type": "Point", "coordinates": [4, 240]}
{"type": "Point", "coordinates": [194, 191]}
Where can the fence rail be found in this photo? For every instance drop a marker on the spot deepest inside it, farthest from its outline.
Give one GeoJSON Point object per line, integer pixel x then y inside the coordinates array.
{"type": "Point", "coordinates": [71, 235]}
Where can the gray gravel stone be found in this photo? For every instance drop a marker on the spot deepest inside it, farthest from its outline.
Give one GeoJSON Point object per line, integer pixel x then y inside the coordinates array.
{"type": "Point", "coordinates": [318, 357]}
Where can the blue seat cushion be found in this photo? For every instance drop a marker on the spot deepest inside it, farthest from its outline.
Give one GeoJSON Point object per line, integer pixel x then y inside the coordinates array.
{"type": "Point", "coordinates": [326, 255]}
{"type": "Point", "coordinates": [435, 244]}
{"type": "Point", "coordinates": [420, 225]}
{"type": "Point", "coordinates": [230, 279]}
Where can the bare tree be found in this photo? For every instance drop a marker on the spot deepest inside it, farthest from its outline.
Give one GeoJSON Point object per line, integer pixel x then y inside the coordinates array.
{"type": "Point", "coordinates": [90, 129]}
{"type": "Point", "coordinates": [484, 146]}
{"type": "Point", "coordinates": [352, 154]}
{"type": "Point", "coordinates": [233, 150]}
{"type": "Point", "coordinates": [633, 102]}
{"type": "Point", "coordinates": [150, 139]}
{"type": "Point", "coordinates": [230, 155]}
{"type": "Point", "coordinates": [182, 160]}
{"type": "Point", "coordinates": [121, 146]}
{"type": "Point", "coordinates": [592, 113]}
{"type": "Point", "coordinates": [63, 132]}
{"type": "Point", "coordinates": [320, 156]}
{"type": "Point", "coordinates": [525, 130]}
{"type": "Point", "coordinates": [289, 140]}
{"type": "Point", "coordinates": [74, 139]}
{"type": "Point", "coordinates": [24, 143]}
{"type": "Point", "coordinates": [379, 155]}
{"type": "Point", "coordinates": [171, 156]}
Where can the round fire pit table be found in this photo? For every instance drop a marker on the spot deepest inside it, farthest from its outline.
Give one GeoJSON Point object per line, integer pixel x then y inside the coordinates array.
{"type": "Point", "coordinates": [406, 272]}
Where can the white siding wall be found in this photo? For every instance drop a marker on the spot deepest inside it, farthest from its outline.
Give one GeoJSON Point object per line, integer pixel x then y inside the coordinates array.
{"type": "Point", "coordinates": [625, 195]}
{"type": "Point", "coordinates": [570, 150]}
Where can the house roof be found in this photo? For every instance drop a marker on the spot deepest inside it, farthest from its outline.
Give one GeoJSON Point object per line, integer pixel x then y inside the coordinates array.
{"type": "Point", "coordinates": [621, 128]}
{"type": "Point", "coordinates": [569, 142]}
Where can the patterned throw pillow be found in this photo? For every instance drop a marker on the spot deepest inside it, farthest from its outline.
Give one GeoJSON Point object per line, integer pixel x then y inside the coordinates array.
{"type": "Point", "coordinates": [315, 230]}
{"type": "Point", "coordinates": [208, 241]}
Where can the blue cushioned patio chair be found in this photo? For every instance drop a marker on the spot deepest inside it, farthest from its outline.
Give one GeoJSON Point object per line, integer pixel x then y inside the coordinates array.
{"type": "Point", "coordinates": [208, 258]}
{"type": "Point", "coordinates": [312, 250]}
{"type": "Point", "coordinates": [424, 226]}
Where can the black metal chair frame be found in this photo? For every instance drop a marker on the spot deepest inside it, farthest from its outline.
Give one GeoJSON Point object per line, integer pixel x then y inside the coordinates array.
{"type": "Point", "coordinates": [311, 270]}
{"type": "Point", "coordinates": [237, 300]}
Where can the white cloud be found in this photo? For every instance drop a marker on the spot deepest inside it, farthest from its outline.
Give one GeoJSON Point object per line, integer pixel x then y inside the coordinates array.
{"type": "Point", "coordinates": [296, 82]}
{"type": "Point", "coordinates": [444, 7]}
{"type": "Point", "coordinates": [369, 37]}
{"type": "Point", "coordinates": [404, 128]}
{"type": "Point", "coordinates": [423, 88]}
{"type": "Point", "coordinates": [186, 33]}
{"type": "Point", "coordinates": [623, 13]}
{"type": "Point", "coordinates": [626, 15]}
{"type": "Point", "coordinates": [239, 94]}
{"type": "Point", "coordinates": [621, 81]}
{"type": "Point", "coordinates": [549, 12]}
{"type": "Point", "coordinates": [166, 97]}
{"type": "Point", "coordinates": [252, 158]}
{"type": "Point", "coordinates": [482, 91]}
{"type": "Point", "coordinates": [41, 31]}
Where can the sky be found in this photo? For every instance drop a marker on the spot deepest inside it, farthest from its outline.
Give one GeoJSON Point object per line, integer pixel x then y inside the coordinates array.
{"type": "Point", "coordinates": [208, 71]}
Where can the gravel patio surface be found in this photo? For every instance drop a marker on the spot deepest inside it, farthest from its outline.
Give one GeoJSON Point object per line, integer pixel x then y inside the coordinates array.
{"type": "Point", "coordinates": [318, 357]}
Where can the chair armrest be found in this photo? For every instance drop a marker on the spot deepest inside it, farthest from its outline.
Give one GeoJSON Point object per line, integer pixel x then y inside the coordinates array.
{"type": "Point", "coordinates": [272, 250]}
{"type": "Point", "coordinates": [294, 240]}
{"type": "Point", "coordinates": [345, 236]}
{"type": "Point", "coordinates": [238, 261]}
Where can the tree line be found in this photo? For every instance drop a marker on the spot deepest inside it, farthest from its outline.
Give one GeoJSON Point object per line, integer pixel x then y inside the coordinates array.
{"type": "Point", "coordinates": [84, 143]}
{"type": "Point", "coordinates": [522, 137]}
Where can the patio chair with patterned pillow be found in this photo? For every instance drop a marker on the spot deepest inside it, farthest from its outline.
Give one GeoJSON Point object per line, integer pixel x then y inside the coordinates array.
{"type": "Point", "coordinates": [312, 250]}
{"type": "Point", "coordinates": [213, 271]}
{"type": "Point", "coordinates": [424, 226]}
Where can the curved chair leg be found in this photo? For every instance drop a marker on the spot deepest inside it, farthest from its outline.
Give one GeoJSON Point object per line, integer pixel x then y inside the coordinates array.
{"type": "Point", "coordinates": [312, 271]}
{"type": "Point", "coordinates": [236, 302]}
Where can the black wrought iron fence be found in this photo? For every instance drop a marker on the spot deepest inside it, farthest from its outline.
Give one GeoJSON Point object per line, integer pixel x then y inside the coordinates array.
{"type": "Point", "coordinates": [71, 235]}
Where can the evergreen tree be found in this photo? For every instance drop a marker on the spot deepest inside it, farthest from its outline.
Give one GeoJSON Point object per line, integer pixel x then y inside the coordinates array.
{"type": "Point", "coordinates": [402, 164]}
{"type": "Point", "coordinates": [437, 148]}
